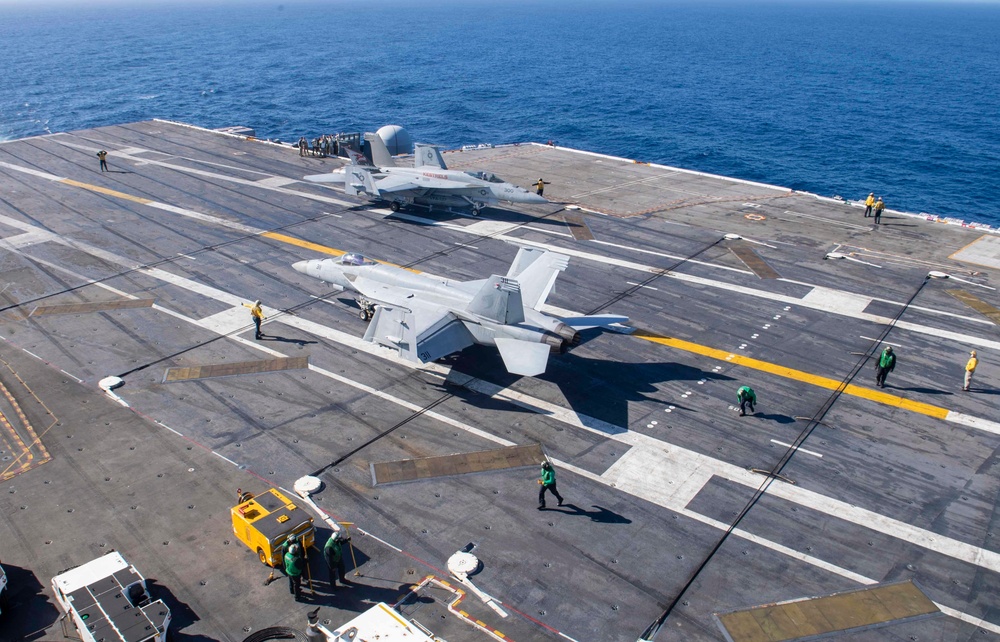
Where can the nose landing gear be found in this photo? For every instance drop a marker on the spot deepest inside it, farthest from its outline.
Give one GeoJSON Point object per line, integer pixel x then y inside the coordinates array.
{"type": "Point", "coordinates": [367, 309]}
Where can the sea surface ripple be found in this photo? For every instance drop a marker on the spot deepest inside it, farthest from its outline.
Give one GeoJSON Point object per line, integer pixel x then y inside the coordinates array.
{"type": "Point", "coordinates": [836, 98]}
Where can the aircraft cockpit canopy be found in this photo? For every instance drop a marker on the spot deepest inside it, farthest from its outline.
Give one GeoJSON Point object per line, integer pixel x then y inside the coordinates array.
{"type": "Point", "coordinates": [489, 177]}
{"type": "Point", "coordinates": [353, 258]}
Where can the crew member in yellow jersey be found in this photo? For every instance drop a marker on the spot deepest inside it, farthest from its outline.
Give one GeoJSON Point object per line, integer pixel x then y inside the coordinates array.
{"type": "Point", "coordinates": [879, 208]}
{"type": "Point", "coordinates": [869, 203]}
{"type": "Point", "coordinates": [970, 369]}
{"type": "Point", "coordinates": [257, 314]}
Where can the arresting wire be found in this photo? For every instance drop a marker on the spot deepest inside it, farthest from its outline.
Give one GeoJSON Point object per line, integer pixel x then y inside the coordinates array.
{"type": "Point", "coordinates": [399, 424]}
{"type": "Point", "coordinates": [656, 275]}
{"type": "Point", "coordinates": [651, 631]}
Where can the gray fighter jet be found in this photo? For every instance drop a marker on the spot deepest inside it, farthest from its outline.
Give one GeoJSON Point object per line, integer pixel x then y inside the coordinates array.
{"type": "Point", "coordinates": [426, 318]}
{"type": "Point", "coordinates": [428, 182]}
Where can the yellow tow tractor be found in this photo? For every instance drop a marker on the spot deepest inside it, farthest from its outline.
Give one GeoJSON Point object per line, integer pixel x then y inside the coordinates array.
{"type": "Point", "coordinates": [264, 522]}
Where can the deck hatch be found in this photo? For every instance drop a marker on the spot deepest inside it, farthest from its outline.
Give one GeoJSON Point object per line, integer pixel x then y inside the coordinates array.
{"type": "Point", "coordinates": [977, 304]}
{"type": "Point", "coordinates": [231, 369]}
{"type": "Point", "coordinates": [753, 261]}
{"type": "Point", "coordinates": [814, 617]}
{"type": "Point", "coordinates": [95, 306]}
{"type": "Point", "coordinates": [578, 226]}
{"type": "Point", "coordinates": [390, 472]}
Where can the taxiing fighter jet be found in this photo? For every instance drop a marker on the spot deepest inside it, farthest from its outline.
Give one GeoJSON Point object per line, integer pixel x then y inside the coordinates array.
{"type": "Point", "coordinates": [428, 182]}
{"type": "Point", "coordinates": [426, 318]}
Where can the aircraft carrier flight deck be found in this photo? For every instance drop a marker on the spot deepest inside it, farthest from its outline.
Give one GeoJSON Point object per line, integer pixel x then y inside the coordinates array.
{"type": "Point", "coordinates": [871, 511]}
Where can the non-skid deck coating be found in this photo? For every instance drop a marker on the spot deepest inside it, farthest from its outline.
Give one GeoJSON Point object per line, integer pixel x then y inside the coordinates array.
{"type": "Point", "coordinates": [653, 461]}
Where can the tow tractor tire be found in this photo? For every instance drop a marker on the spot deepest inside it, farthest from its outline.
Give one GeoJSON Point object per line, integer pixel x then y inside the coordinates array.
{"type": "Point", "coordinates": [262, 557]}
{"type": "Point", "coordinates": [394, 206]}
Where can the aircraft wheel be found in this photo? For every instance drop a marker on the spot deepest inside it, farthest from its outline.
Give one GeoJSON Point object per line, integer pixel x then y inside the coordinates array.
{"type": "Point", "coordinates": [394, 206]}
{"type": "Point", "coordinates": [364, 315]}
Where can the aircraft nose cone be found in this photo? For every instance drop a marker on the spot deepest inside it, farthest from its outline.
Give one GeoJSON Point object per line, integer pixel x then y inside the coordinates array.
{"type": "Point", "coordinates": [535, 198]}
{"type": "Point", "coordinates": [301, 266]}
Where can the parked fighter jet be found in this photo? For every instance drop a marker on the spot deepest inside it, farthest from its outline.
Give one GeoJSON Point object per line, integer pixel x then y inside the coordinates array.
{"type": "Point", "coordinates": [426, 318]}
{"type": "Point", "coordinates": [428, 182]}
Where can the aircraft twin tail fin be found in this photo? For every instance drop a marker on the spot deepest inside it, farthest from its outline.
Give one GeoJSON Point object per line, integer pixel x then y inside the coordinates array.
{"type": "Point", "coordinates": [380, 153]}
{"type": "Point", "coordinates": [499, 300]}
{"type": "Point", "coordinates": [425, 155]}
{"type": "Point", "coordinates": [358, 180]}
{"type": "Point", "coordinates": [536, 271]}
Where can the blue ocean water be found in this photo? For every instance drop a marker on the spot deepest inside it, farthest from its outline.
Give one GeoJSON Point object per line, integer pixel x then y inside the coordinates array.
{"type": "Point", "coordinates": [902, 99]}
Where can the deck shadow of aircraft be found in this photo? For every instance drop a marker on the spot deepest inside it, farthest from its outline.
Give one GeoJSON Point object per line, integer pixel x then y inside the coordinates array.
{"type": "Point", "coordinates": [28, 611]}
{"type": "Point", "coordinates": [598, 388]}
{"type": "Point", "coordinates": [599, 514]}
{"type": "Point", "coordinates": [494, 214]}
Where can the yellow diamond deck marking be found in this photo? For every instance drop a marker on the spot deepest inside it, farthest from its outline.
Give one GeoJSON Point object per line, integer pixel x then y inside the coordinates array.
{"type": "Point", "coordinates": [857, 610]}
{"type": "Point", "coordinates": [977, 304]}
{"type": "Point", "coordinates": [390, 472]}
{"type": "Point", "coordinates": [231, 369]}
{"type": "Point", "coordinates": [96, 306]}
{"type": "Point", "coordinates": [753, 261]}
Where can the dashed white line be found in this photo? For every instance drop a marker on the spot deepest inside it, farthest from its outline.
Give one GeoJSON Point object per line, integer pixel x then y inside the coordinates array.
{"type": "Point", "coordinates": [225, 459]}
{"type": "Point", "coordinates": [648, 287]}
{"type": "Point", "coordinates": [170, 429]}
{"type": "Point", "coordinates": [801, 450]}
{"type": "Point", "coordinates": [898, 345]}
{"type": "Point", "coordinates": [78, 379]}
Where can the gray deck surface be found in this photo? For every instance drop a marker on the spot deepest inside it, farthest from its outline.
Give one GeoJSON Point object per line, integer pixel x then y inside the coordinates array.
{"type": "Point", "coordinates": [651, 455]}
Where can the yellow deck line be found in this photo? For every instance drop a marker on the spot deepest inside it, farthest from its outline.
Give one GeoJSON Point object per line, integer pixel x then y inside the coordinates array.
{"type": "Point", "coordinates": [291, 240]}
{"type": "Point", "coordinates": [790, 373]}
{"type": "Point", "coordinates": [105, 190]}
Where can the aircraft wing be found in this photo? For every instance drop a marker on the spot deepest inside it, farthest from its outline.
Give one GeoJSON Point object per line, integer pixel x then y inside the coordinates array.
{"type": "Point", "coordinates": [330, 177]}
{"type": "Point", "coordinates": [383, 293]}
{"type": "Point", "coordinates": [392, 184]}
{"type": "Point", "coordinates": [405, 182]}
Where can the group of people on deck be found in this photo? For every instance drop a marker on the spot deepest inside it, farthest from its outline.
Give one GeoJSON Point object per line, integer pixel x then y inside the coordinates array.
{"type": "Point", "coordinates": [325, 145]}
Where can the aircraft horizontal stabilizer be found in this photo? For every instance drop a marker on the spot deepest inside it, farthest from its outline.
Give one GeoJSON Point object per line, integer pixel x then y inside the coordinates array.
{"type": "Point", "coordinates": [325, 178]}
{"type": "Point", "coordinates": [523, 358]}
{"type": "Point", "coordinates": [594, 321]}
